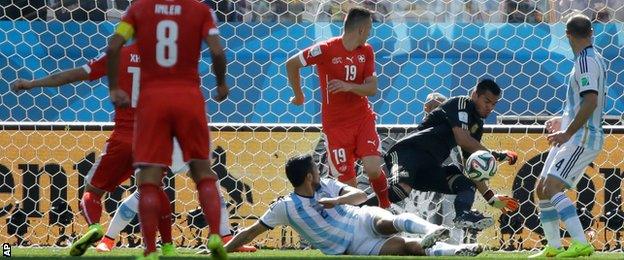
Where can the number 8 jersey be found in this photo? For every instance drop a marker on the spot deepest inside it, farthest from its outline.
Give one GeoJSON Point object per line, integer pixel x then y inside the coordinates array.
{"type": "Point", "coordinates": [333, 61]}
{"type": "Point", "coordinates": [169, 36]}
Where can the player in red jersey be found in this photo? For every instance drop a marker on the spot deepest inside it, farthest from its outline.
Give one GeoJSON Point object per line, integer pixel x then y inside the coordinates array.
{"type": "Point", "coordinates": [169, 35]}
{"type": "Point", "coordinates": [346, 69]}
{"type": "Point", "coordinates": [115, 163]}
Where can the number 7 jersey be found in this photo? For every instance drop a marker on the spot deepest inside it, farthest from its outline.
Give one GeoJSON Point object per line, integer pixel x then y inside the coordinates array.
{"type": "Point", "coordinates": [333, 61]}
{"type": "Point", "coordinates": [169, 35]}
{"type": "Point", "coordinates": [129, 74]}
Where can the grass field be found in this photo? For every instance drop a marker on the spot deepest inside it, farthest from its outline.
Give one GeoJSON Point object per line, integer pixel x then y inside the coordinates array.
{"type": "Point", "coordinates": [54, 253]}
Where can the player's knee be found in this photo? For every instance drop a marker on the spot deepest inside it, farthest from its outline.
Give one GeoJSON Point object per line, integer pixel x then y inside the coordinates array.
{"type": "Point", "coordinates": [552, 186]}
{"type": "Point", "coordinates": [394, 246]}
{"type": "Point", "coordinates": [92, 189]}
{"type": "Point", "coordinates": [461, 183]}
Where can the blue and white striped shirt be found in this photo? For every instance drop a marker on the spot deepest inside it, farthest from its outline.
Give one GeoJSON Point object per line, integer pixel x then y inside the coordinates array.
{"type": "Point", "coordinates": [588, 75]}
{"type": "Point", "coordinates": [329, 230]}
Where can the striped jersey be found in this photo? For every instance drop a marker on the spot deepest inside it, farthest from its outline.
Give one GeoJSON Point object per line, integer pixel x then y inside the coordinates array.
{"type": "Point", "coordinates": [329, 230]}
{"type": "Point", "coordinates": [588, 75]}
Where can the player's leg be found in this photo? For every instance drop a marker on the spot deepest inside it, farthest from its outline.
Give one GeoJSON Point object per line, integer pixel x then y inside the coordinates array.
{"type": "Point", "coordinates": [400, 169]}
{"type": "Point", "coordinates": [341, 155]}
{"type": "Point", "coordinates": [564, 172]}
{"type": "Point", "coordinates": [368, 148]}
{"type": "Point", "coordinates": [153, 146]}
{"type": "Point", "coordinates": [112, 168]}
{"type": "Point", "coordinates": [549, 218]}
{"type": "Point", "coordinates": [460, 185]}
{"type": "Point", "coordinates": [386, 223]}
{"type": "Point", "coordinates": [191, 130]}
{"type": "Point", "coordinates": [127, 210]}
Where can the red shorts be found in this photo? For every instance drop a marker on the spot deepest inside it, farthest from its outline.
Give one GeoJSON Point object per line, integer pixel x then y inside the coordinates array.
{"type": "Point", "coordinates": [114, 165]}
{"type": "Point", "coordinates": [347, 144]}
{"type": "Point", "coordinates": [166, 113]}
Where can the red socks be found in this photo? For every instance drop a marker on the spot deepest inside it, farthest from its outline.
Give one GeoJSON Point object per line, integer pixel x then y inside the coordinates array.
{"type": "Point", "coordinates": [91, 206]}
{"type": "Point", "coordinates": [150, 205]}
{"type": "Point", "coordinates": [210, 203]}
{"type": "Point", "coordinates": [380, 186]}
{"type": "Point", "coordinates": [164, 225]}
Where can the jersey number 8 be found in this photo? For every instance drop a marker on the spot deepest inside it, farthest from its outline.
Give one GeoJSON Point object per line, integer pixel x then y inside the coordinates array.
{"type": "Point", "coordinates": [166, 47]}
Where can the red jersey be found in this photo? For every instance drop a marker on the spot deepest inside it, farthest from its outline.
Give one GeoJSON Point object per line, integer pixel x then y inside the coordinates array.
{"type": "Point", "coordinates": [169, 34]}
{"type": "Point", "coordinates": [333, 61]}
{"type": "Point", "coordinates": [129, 74]}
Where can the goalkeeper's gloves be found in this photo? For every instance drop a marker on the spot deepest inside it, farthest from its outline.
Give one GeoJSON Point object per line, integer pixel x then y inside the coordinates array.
{"type": "Point", "coordinates": [509, 156]}
{"type": "Point", "coordinates": [503, 202]}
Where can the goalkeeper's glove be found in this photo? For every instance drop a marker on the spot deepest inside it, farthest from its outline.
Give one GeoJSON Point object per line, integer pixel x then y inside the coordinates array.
{"type": "Point", "coordinates": [503, 202]}
{"type": "Point", "coordinates": [510, 156]}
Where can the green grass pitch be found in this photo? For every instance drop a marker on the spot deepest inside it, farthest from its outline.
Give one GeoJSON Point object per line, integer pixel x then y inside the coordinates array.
{"type": "Point", "coordinates": [123, 253]}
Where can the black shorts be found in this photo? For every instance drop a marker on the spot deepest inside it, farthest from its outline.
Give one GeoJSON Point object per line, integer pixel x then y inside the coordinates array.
{"type": "Point", "coordinates": [420, 170]}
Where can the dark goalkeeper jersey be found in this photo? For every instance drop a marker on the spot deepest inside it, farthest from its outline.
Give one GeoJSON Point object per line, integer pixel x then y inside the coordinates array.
{"type": "Point", "coordinates": [435, 134]}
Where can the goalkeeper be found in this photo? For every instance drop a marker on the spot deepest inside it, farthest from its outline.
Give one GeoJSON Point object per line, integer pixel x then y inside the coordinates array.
{"type": "Point", "coordinates": [322, 211]}
{"type": "Point", "coordinates": [415, 161]}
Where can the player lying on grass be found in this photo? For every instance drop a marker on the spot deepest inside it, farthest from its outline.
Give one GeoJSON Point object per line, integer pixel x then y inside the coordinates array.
{"type": "Point", "coordinates": [322, 211]}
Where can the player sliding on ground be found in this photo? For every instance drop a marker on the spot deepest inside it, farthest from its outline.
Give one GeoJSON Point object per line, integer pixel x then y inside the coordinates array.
{"type": "Point", "coordinates": [346, 70]}
{"type": "Point", "coordinates": [322, 211]}
{"type": "Point", "coordinates": [576, 140]}
{"type": "Point", "coordinates": [416, 161]}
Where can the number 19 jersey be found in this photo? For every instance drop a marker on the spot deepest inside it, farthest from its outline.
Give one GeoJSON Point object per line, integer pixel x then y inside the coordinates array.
{"type": "Point", "coordinates": [333, 61]}
{"type": "Point", "coordinates": [169, 35]}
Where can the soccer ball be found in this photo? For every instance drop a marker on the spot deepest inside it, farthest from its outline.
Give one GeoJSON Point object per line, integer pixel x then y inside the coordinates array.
{"type": "Point", "coordinates": [481, 166]}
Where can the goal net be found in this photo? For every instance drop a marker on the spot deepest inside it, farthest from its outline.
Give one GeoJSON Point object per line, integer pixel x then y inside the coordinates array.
{"type": "Point", "coordinates": [50, 138]}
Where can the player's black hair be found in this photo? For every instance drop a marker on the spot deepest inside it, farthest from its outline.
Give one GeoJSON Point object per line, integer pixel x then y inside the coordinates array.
{"type": "Point", "coordinates": [579, 25]}
{"type": "Point", "coordinates": [488, 85]}
{"type": "Point", "coordinates": [356, 16]}
{"type": "Point", "coordinates": [298, 167]}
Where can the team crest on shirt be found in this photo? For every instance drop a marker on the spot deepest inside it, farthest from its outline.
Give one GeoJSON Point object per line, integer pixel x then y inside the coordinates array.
{"type": "Point", "coordinates": [474, 128]}
{"type": "Point", "coordinates": [463, 117]}
{"type": "Point", "coordinates": [315, 51]}
{"type": "Point", "coordinates": [584, 80]}
{"type": "Point", "coordinates": [337, 60]}
{"type": "Point", "coordinates": [361, 58]}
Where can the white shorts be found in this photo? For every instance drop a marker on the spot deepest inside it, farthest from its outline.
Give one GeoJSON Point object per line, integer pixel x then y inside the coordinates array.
{"type": "Point", "coordinates": [567, 163]}
{"type": "Point", "coordinates": [366, 240]}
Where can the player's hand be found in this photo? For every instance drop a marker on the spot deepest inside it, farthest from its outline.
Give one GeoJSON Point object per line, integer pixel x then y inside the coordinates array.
{"type": "Point", "coordinates": [336, 85]}
{"type": "Point", "coordinates": [20, 85]}
{"type": "Point", "coordinates": [328, 203]}
{"type": "Point", "coordinates": [504, 203]}
{"type": "Point", "coordinates": [510, 156]}
{"type": "Point", "coordinates": [222, 93]}
{"type": "Point", "coordinates": [553, 124]}
{"type": "Point", "coordinates": [558, 138]}
{"type": "Point", "coordinates": [119, 98]}
{"type": "Point", "coordinates": [297, 100]}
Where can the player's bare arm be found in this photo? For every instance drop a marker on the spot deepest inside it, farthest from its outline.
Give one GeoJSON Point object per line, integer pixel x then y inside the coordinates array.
{"type": "Point", "coordinates": [245, 236]}
{"type": "Point", "coordinates": [293, 65]}
{"type": "Point", "coordinates": [348, 195]}
{"type": "Point", "coordinates": [465, 141]}
{"type": "Point", "coordinates": [118, 96]}
{"type": "Point", "coordinates": [553, 124]}
{"type": "Point", "coordinates": [588, 105]}
{"type": "Point", "coordinates": [368, 88]}
{"type": "Point", "coordinates": [54, 80]}
{"type": "Point", "coordinates": [470, 144]}
{"type": "Point", "coordinates": [218, 66]}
